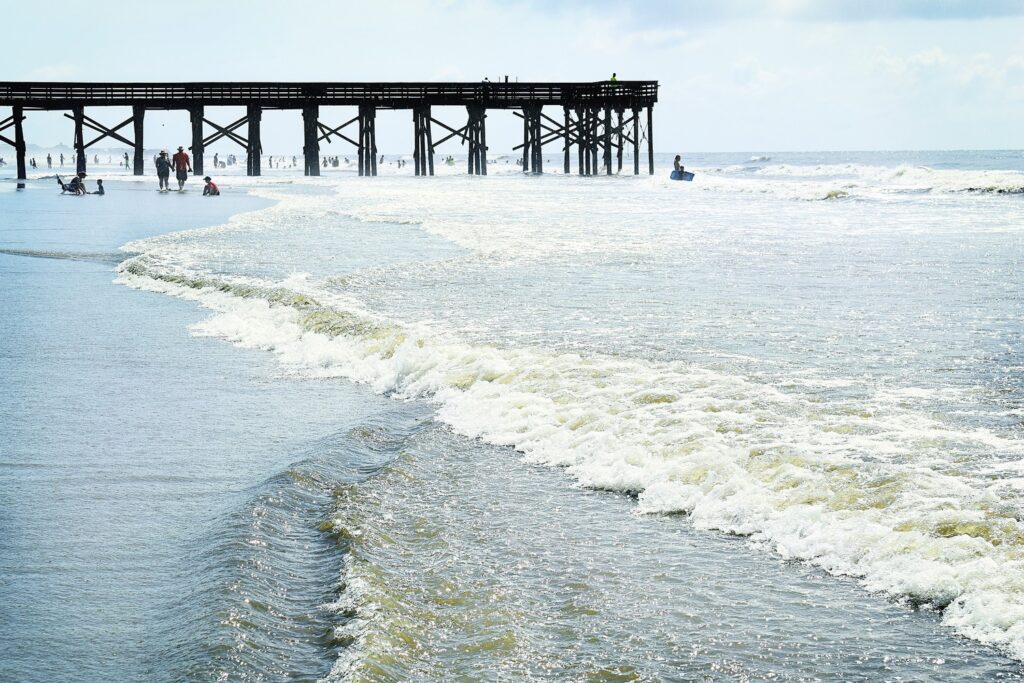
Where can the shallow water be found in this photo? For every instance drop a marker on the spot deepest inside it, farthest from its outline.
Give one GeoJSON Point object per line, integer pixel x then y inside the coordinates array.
{"type": "Point", "coordinates": [836, 383]}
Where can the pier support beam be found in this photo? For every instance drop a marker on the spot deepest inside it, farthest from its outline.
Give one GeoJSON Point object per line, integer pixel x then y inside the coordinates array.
{"type": "Point", "coordinates": [367, 140]}
{"type": "Point", "coordinates": [650, 139]}
{"type": "Point", "coordinates": [533, 153]}
{"type": "Point", "coordinates": [196, 118]}
{"type": "Point", "coordinates": [310, 140]}
{"type": "Point", "coordinates": [607, 141]}
{"type": "Point", "coordinates": [568, 139]}
{"type": "Point", "coordinates": [476, 135]}
{"type": "Point", "coordinates": [254, 148]}
{"type": "Point", "coordinates": [138, 117]}
{"type": "Point", "coordinates": [580, 141]}
{"type": "Point", "coordinates": [423, 144]}
{"type": "Point", "coordinates": [19, 144]}
{"type": "Point", "coordinates": [636, 142]}
{"type": "Point", "coordinates": [620, 115]}
{"type": "Point", "coordinates": [78, 114]}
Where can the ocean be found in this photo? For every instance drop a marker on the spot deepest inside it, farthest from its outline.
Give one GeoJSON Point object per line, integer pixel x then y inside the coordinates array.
{"type": "Point", "coordinates": [767, 425]}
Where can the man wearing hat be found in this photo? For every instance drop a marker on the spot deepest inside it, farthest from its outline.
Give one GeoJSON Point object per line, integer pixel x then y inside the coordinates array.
{"type": "Point", "coordinates": [182, 167]}
{"type": "Point", "coordinates": [163, 170]}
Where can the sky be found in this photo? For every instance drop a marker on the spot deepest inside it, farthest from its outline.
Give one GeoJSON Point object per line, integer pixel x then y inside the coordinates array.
{"type": "Point", "coordinates": [735, 75]}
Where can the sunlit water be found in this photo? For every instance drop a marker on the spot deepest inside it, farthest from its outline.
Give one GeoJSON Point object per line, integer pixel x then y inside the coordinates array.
{"type": "Point", "coordinates": [816, 358]}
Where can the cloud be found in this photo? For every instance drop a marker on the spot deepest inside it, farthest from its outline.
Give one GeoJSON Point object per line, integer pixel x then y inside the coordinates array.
{"type": "Point", "coordinates": [663, 12]}
{"type": "Point", "coordinates": [934, 68]}
{"type": "Point", "coordinates": [52, 72]}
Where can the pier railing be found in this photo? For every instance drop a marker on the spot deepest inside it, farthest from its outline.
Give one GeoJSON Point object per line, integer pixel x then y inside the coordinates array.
{"type": "Point", "coordinates": [55, 95]}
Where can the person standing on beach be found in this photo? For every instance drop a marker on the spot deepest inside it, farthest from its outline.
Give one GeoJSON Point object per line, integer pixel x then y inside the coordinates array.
{"type": "Point", "coordinates": [126, 160]}
{"type": "Point", "coordinates": [163, 170]}
{"type": "Point", "coordinates": [62, 159]}
{"type": "Point", "coordinates": [49, 161]}
{"type": "Point", "coordinates": [182, 167]}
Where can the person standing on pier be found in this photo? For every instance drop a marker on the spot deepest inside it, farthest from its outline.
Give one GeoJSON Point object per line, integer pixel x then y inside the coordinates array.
{"type": "Point", "coordinates": [163, 170]}
{"type": "Point", "coordinates": [182, 167]}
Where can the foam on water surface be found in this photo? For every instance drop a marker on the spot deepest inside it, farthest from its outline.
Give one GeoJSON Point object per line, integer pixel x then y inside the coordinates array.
{"type": "Point", "coordinates": [858, 476]}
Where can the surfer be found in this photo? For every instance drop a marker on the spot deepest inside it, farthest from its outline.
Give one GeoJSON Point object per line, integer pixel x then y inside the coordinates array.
{"type": "Point", "coordinates": [211, 189]}
{"type": "Point", "coordinates": [182, 167]}
{"type": "Point", "coordinates": [163, 170]}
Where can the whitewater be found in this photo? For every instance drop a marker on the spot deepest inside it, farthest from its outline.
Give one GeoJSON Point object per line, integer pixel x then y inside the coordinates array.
{"type": "Point", "coordinates": [820, 356]}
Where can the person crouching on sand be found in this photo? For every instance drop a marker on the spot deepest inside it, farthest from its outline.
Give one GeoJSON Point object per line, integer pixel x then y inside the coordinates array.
{"type": "Point", "coordinates": [75, 186]}
{"type": "Point", "coordinates": [210, 190]}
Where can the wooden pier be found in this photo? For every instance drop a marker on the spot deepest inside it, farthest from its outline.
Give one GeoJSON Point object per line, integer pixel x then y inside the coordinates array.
{"type": "Point", "coordinates": [596, 117]}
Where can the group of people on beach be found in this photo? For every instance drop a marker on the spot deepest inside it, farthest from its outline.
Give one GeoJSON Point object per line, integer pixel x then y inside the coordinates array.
{"type": "Point", "coordinates": [182, 165]}
{"type": "Point", "coordinates": [180, 162]}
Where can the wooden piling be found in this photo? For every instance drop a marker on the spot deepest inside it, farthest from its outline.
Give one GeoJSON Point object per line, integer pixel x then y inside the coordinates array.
{"type": "Point", "coordinates": [19, 144]}
{"type": "Point", "coordinates": [650, 139]}
{"type": "Point", "coordinates": [527, 135]}
{"type": "Point", "coordinates": [196, 117]}
{"type": "Point", "coordinates": [636, 141]}
{"type": "Point", "coordinates": [311, 142]}
{"type": "Point", "coordinates": [580, 141]}
{"type": "Point", "coordinates": [78, 113]}
{"type": "Point", "coordinates": [595, 123]}
{"type": "Point", "coordinates": [138, 118]}
{"type": "Point", "coordinates": [367, 140]}
{"type": "Point", "coordinates": [608, 140]}
{"type": "Point", "coordinates": [254, 147]}
{"type": "Point", "coordinates": [428, 139]}
{"type": "Point", "coordinates": [567, 150]}
{"type": "Point", "coordinates": [620, 115]}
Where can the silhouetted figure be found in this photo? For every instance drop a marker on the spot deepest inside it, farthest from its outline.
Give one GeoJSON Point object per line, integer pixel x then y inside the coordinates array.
{"type": "Point", "coordinates": [163, 170]}
{"type": "Point", "coordinates": [75, 186]}
{"type": "Point", "coordinates": [99, 188]}
{"type": "Point", "coordinates": [49, 161]}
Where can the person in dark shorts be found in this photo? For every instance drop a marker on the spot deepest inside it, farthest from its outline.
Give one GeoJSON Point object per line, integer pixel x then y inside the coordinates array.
{"type": "Point", "coordinates": [211, 189]}
{"type": "Point", "coordinates": [182, 167]}
{"type": "Point", "coordinates": [75, 186]}
{"type": "Point", "coordinates": [163, 170]}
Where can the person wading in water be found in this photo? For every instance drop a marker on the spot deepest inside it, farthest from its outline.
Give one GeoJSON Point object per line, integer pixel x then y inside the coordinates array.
{"type": "Point", "coordinates": [163, 170]}
{"type": "Point", "coordinates": [182, 167]}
